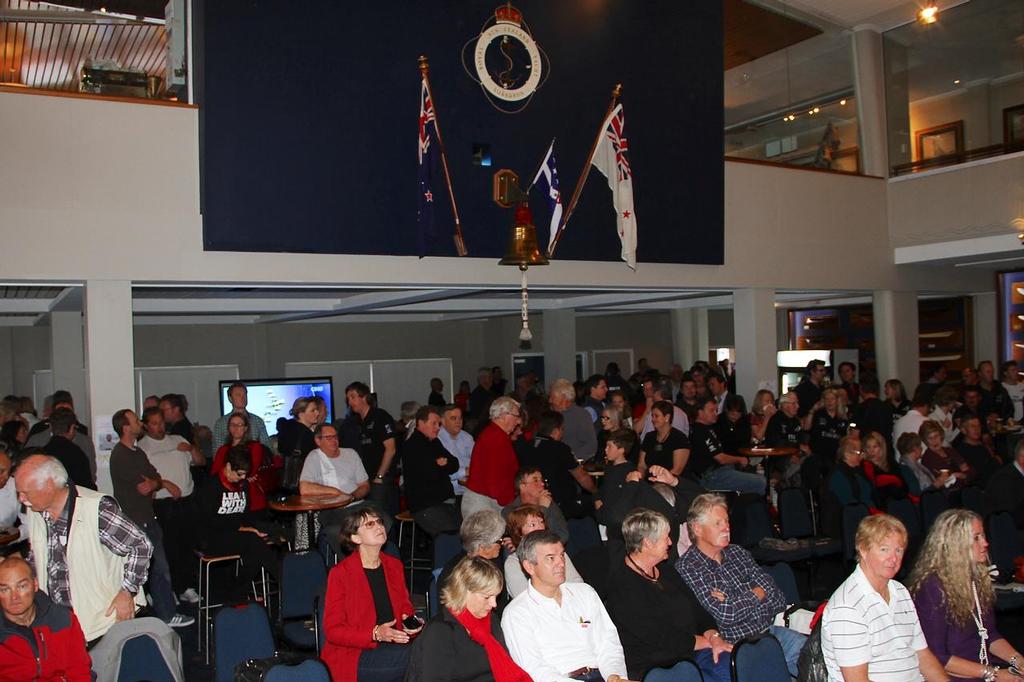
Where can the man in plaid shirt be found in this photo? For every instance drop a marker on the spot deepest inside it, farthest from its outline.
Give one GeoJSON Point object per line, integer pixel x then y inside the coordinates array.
{"type": "Point", "coordinates": [43, 488]}
{"type": "Point", "coordinates": [741, 597]}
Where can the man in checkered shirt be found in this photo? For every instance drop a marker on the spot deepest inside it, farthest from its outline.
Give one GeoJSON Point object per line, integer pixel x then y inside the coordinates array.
{"type": "Point", "coordinates": [741, 597]}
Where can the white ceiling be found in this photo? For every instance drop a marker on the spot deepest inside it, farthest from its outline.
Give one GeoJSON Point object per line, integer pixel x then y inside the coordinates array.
{"type": "Point", "coordinates": [187, 304]}
{"type": "Point", "coordinates": [884, 14]}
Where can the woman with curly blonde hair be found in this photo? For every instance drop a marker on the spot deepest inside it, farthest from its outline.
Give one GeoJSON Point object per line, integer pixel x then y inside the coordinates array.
{"type": "Point", "coordinates": [955, 600]}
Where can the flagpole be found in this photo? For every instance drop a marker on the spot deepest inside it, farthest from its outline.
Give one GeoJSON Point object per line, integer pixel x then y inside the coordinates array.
{"type": "Point", "coordinates": [616, 91]}
{"type": "Point", "coordinates": [460, 245]}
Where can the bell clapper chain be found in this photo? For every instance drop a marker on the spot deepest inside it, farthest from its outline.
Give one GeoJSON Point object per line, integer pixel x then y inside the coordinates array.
{"type": "Point", "coordinates": [524, 334]}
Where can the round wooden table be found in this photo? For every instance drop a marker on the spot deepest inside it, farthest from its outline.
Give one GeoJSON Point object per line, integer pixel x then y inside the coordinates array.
{"type": "Point", "coordinates": [784, 451]}
{"type": "Point", "coordinates": [309, 505]}
{"type": "Point", "coordinates": [594, 469]}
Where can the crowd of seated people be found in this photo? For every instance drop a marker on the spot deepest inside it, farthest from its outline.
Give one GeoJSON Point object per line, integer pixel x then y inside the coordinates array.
{"type": "Point", "coordinates": [656, 444]}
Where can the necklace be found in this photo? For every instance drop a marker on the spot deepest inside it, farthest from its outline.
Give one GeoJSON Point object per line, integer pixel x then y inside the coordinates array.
{"type": "Point", "coordinates": [652, 576]}
{"type": "Point", "coordinates": [982, 631]}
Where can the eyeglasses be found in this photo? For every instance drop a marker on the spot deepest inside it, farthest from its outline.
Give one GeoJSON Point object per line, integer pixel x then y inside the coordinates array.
{"type": "Point", "coordinates": [331, 437]}
{"type": "Point", "coordinates": [371, 523]}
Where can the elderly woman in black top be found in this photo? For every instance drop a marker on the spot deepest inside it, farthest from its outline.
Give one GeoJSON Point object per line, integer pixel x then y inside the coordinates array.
{"type": "Point", "coordinates": [660, 621]}
{"type": "Point", "coordinates": [464, 642]}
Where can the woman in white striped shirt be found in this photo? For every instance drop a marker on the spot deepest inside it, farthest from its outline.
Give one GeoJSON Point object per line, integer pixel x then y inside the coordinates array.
{"type": "Point", "coordinates": [870, 629]}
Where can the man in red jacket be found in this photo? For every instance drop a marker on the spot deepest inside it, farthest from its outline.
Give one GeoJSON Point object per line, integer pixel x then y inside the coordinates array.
{"type": "Point", "coordinates": [39, 640]}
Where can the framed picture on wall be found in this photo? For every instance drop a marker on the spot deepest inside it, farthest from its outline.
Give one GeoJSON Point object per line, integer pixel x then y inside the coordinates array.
{"type": "Point", "coordinates": [1010, 288]}
{"type": "Point", "coordinates": [1013, 125]}
{"type": "Point", "coordinates": [940, 140]}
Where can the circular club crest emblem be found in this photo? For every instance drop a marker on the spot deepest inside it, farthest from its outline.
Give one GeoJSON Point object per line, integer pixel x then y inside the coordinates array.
{"type": "Point", "coordinates": [507, 62]}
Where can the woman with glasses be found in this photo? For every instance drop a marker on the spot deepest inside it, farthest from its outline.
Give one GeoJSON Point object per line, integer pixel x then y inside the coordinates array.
{"type": "Point", "coordinates": [847, 484]}
{"type": "Point", "coordinates": [366, 603]}
{"type": "Point", "coordinates": [955, 601]}
{"type": "Point", "coordinates": [482, 534]}
{"type": "Point", "coordinates": [611, 420]}
{"type": "Point", "coordinates": [265, 474]}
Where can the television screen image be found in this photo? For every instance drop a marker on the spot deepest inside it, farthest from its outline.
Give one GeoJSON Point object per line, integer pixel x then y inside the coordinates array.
{"type": "Point", "coordinates": [273, 398]}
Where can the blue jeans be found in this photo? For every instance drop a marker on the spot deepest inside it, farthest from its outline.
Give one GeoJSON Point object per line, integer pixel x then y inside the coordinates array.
{"type": "Point", "coordinates": [792, 644]}
{"type": "Point", "coordinates": [727, 478]}
{"type": "Point", "coordinates": [386, 663]}
{"type": "Point", "coordinates": [713, 672]}
{"type": "Point", "coordinates": [159, 581]}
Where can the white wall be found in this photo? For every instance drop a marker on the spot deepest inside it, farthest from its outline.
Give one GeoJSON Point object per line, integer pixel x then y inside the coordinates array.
{"type": "Point", "coordinates": [960, 202]}
{"type": "Point", "coordinates": [109, 190]}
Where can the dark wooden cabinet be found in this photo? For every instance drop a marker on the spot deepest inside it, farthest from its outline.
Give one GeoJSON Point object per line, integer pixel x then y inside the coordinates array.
{"type": "Point", "coordinates": [944, 333]}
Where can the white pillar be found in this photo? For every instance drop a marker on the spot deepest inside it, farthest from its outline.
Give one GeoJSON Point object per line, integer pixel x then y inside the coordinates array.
{"type": "Point", "coordinates": [896, 337]}
{"type": "Point", "coordinates": [755, 335]}
{"type": "Point", "coordinates": [986, 342]}
{"type": "Point", "coordinates": [869, 89]}
{"type": "Point", "coordinates": [67, 358]}
{"type": "Point", "coordinates": [559, 345]}
{"type": "Point", "coordinates": [689, 335]}
{"type": "Point", "coordinates": [109, 362]}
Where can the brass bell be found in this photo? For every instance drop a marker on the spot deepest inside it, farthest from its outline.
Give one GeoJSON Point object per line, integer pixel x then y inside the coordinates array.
{"type": "Point", "coordinates": [522, 248]}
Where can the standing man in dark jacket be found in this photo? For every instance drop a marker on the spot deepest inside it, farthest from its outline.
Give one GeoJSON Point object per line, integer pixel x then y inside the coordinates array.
{"type": "Point", "coordinates": [873, 414]}
{"type": "Point", "coordinates": [427, 468]}
{"type": "Point", "coordinates": [376, 445]}
{"type": "Point", "coordinates": [809, 388]}
{"type": "Point", "coordinates": [63, 426]}
{"type": "Point", "coordinates": [39, 640]}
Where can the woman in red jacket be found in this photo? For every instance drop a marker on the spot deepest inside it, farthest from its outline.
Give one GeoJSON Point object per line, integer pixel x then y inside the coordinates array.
{"type": "Point", "coordinates": [365, 605]}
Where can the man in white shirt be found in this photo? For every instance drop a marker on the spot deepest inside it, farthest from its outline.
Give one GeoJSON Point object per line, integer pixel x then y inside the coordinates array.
{"type": "Point", "coordinates": [945, 400]}
{"type": "Point", "coordinates": [333, 470]}
{"type": "Point", "coordinates": [912, 420]}
{"type": "Point", "coordinates": [457, 442]}
{"type": "Point", "coordinates": [557, 631]}
{"type": "Point", "coordinates": [238, 395]}
{"type": "Point", "coordinates": [1014, 387]}
{"type": "Point", "coordinates": [172, 456]}
{"type": "Point", "coordinates": [10, 508]}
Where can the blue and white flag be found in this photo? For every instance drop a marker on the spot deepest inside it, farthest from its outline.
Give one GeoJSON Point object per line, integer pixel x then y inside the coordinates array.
{"type": "Point", "coordinates": [549, 175]}
{"type": "Point", "coordinates": [428, 161]}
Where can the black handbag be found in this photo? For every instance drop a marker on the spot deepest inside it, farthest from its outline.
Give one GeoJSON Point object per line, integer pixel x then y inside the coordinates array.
{"type": "Point", "coordinates": [292, 470]}
{"type": "Point", "coordinates": [256, 669]}
{"type": "Point", "coordinates": [811, 663]}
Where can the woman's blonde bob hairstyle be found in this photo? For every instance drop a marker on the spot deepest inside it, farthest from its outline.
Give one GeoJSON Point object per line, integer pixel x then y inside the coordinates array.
{"type": "Point", "coordinates": [874, 529]}
{"type": "Point", "coordinates": [472, 574]}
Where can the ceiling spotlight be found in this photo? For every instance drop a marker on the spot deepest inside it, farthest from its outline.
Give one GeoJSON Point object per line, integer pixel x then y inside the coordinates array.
{"type": "Point", "coordinates": [842, 102]}
{"type": "Point", "coordinates": [928, 15]}
{"type": "Point", "coordinates": [956, 82]}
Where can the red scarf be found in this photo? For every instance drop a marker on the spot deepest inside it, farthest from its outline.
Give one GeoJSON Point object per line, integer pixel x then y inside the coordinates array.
{"type": "Point", "coordinates": [503, 667]}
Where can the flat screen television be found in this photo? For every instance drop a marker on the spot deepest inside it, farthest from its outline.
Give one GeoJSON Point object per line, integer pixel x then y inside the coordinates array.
{"type": "Point", "coordinates": [273, 398]}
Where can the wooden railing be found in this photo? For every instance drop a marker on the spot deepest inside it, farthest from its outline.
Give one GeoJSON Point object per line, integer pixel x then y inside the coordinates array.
{"type": "Point", "coordinates": [958, 157]}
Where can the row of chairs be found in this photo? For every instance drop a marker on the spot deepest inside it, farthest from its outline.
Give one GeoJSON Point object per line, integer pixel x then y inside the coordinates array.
{"type": "Point", "coordinates": [242, 633]}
